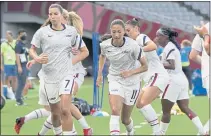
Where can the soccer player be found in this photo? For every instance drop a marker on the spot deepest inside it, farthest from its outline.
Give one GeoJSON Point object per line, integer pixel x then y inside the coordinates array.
{"type": "Point", "coordinates": [124, 82]}
{"type": "Point", "coordinates": [56, 41]}
{"type": "Point", "coordinates": [202, 46]}
{"type": "Point", "coordinates": [204, 33]}
{"type": "Point", "coordinates": [79, 73]}
{"type": "Point", "coordinates": [158, 77]}
{"type": "Point", "coordinates": [177, 91]}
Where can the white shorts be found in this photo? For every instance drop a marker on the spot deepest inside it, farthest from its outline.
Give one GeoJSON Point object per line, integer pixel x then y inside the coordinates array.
{"type": "Point", "coordinates": [42, 95]}
{"type": "Point", "coordinates": [52, 92]}
{"type": "Point", "coordinates": [158, 80]}
{"type": "Point", "coordinates": [206, 85]}
{"type": "Point", "coordinates": [79, 79]}
{"type": "Point", "coordinates": [174, 92]}
{"type": "Point", "coordinates": [129, 93]}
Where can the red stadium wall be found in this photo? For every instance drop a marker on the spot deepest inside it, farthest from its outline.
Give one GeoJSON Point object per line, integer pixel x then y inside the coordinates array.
{"type": "Point", "coordinates": [96, 18]}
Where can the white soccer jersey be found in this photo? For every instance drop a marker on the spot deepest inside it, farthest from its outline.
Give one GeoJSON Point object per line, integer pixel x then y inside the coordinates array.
{"type": "Point", "coordinates": [170, 52]}
{"type": "Point", "coordinates": [198, 44]}
{"type": "Point", "coordinates": [153, 61]}
{"type": "Point", "coordinates": [122, 59]}
{"type": "Point", "coordinates": [57, 44]}
{"type": "Point", "coordinates": [78, 67]}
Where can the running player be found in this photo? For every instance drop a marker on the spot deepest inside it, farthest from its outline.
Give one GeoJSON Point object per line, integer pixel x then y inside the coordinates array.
{"type": "Point", "coordinates": [124, 82]}
{"type": "Point", "coordinates": [157, 76]}
{"type": "Point", "coordinates": [202, 46]}
{"type": "Point", "coordinates": [79, 78]}
{"type": "Point", "coordinates": [177, 90]}
{"type": "Point", "coordinates": [56, 41]}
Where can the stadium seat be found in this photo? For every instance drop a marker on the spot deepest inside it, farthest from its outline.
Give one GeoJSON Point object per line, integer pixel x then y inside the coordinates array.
{"type": "Point", "coordinates": [169, 9]}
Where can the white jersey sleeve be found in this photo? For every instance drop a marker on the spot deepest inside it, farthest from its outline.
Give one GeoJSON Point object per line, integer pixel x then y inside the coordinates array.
{"type": "Point", "coordinates": [79, 42]}
{"type": "Point", "coordinates": [169, 52]}
{"type": "Point", "coordinates": [102, 49]}
{"type": "Point", "coordinates": [75, 34]}
{"type": "Point", "coordinates": [137, 51]}
{"type": "Point", "coordinates": [142, 39]}
{"type": "Point", "coordinates": [36, 39]}
{"type": "Point", "coordinates": [197, 43]}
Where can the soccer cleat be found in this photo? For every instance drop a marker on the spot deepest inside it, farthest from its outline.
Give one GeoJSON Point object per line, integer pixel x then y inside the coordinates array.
{"type": "Point", "coordinates": [19, 124]}
{"type": "Point", "coordinates": [131, 133]}
{"type": "Point", "coordinates": [88, 132]}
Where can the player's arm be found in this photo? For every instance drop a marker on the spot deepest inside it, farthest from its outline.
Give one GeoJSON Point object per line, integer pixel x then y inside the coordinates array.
{"type": "Point", "coordinates": [195, 56]}
{"type": "Point", "coordinates": [196, 49]}
{"type": "Point", "coordinates": [169, 64]}
{"type": "Point", "coordinates": [147, 44]}
{"type": "Point", "coordinates": [138, 70]}
{"type": "Point", "coordinates": [207, 43]}
{"type": "Point", "coordinates": [83, 52]}
{"type": "Point", "coordinates": [17, 56]}
{"type": "Point", "coordinates": [36, 43]}
{"type": "Point", "coordinates": [102, 59]}
{"type": "Point", "coordinates": [169, 61]}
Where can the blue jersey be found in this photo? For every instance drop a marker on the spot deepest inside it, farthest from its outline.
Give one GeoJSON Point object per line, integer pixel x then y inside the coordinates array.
{"type": "Point", "coordinates": [159, 51]}
{"type": "Point", "coordinates": [185, 56]}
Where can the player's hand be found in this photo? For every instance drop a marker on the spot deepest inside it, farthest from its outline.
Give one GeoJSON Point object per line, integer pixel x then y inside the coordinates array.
{"type": "Point", "coordinates": [126, 74]}
{"type": "Point", "coordinates": [20, 70]}
{"type": "Point", "coordinates": [99, 80]}
{"type": "Point", "coordinates": [201, 30]}
{"type": "Point", "coordinates": [42, 58]}
{"type": "Point", "coordinates": [30, 63]}
{"type": "Point", "coordinates": [75, 51]}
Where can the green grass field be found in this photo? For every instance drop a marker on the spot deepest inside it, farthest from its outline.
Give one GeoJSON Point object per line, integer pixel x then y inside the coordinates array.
{"type": "Point", "coordinates": [180, 124]}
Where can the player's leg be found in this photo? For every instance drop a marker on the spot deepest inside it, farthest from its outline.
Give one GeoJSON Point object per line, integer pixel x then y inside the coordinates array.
{"type": "Point", "coordinates": [79, 79]}
{"type": "Point", "coordinates": [52, 94]}
{"type": "Point", "coordinates": [183, 103]}
{"type": "Point", "coordinates": [116, 102]}
{"type": "Point", "coordinates": [38, 113]}
{"type": "Point", "coordinates": [206, 85]}
{"type": "Point", "coordinates": [126, 118]}
{"type": "Point", "coordinates": [131, 95]}
{"type": "Point", "coordinates": [8, 76]}
{"type": "Point", "coordinates": [168, 99]}
{"type": "Point", "coordinates": [166, 116]}
{"type": "Point", "coordinates": [66, 89]}
{"type": "Point", "coordinates": [149, 93]}
{"type": "Point", "coordinates": [14, 80]}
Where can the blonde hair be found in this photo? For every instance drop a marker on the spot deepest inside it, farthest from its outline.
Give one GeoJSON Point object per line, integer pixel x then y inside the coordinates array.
{"type": "Point", "coordinates": [64, 14]}
{"type": "Point", "coordinates": [186, 43]}
{"type": "Point", "coordinates": [76, 21]}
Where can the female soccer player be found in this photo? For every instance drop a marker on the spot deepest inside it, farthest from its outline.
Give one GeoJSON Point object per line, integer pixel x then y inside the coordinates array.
{"type": "Point", "coordinates": [202, 46]}
{"type": "Point", "coordinates": [177, 91]}
{"type": "Point", "coordinates": [56, 41]}
{"type": "Point", "coordinates": [158, 77]}
{"type": "Point", "coordinates": [124, 82]}
{"type": "Point", "coordinates": [79, 73]}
